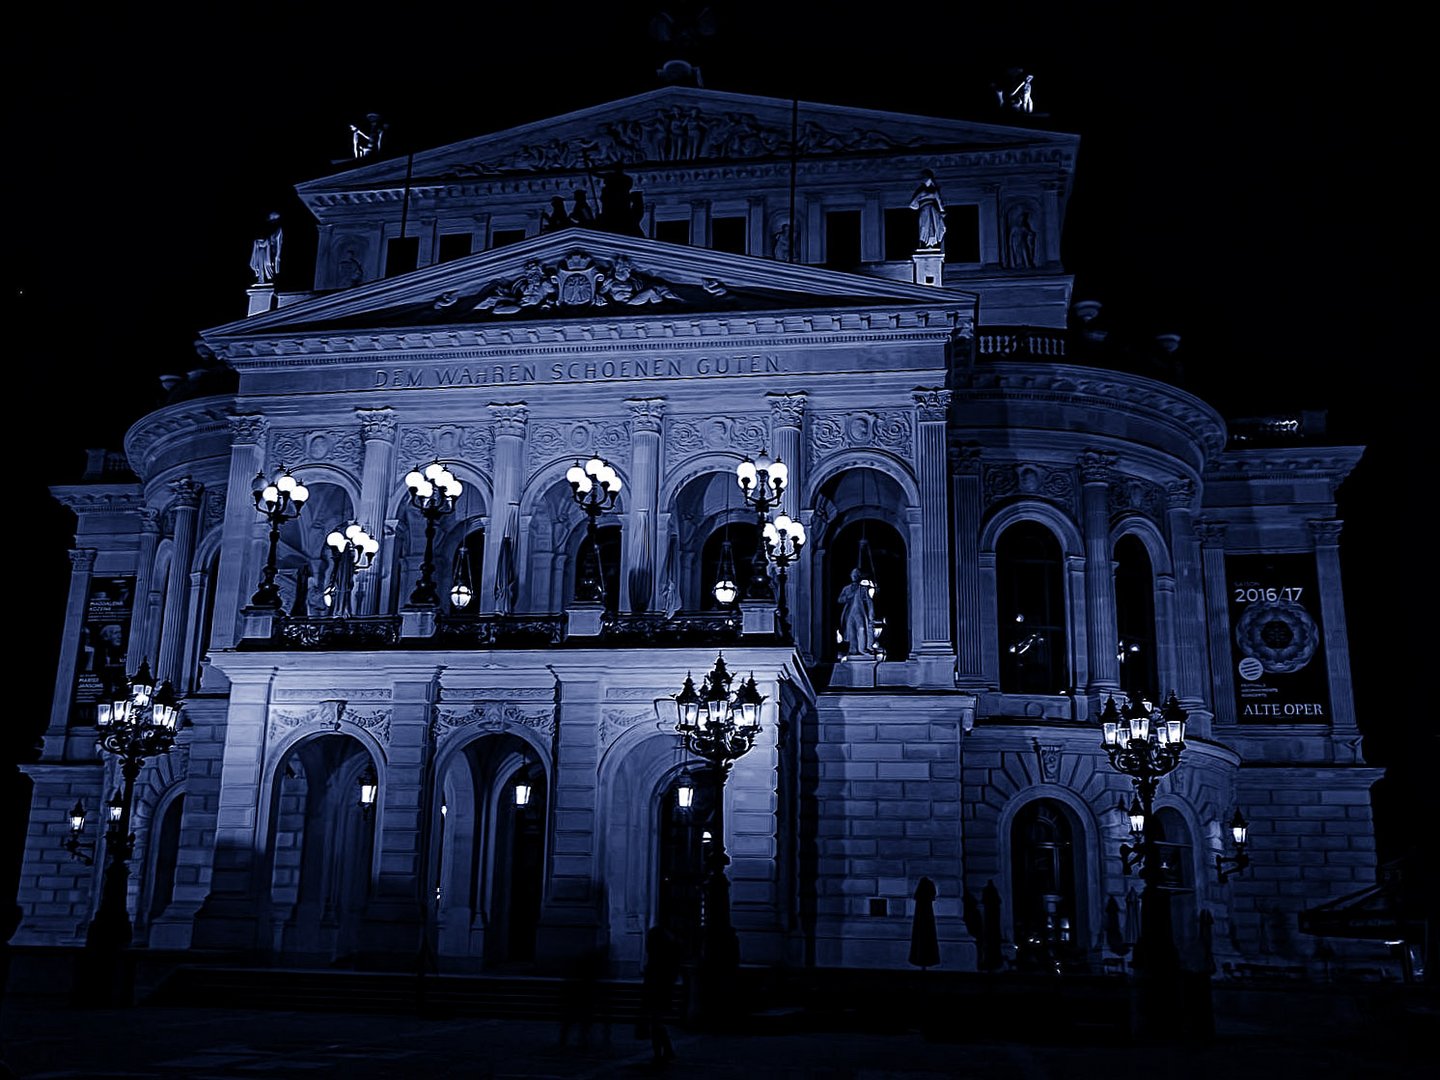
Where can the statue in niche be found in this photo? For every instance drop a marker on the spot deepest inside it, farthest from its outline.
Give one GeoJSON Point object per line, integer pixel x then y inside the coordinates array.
{"type": "Point", "coordinates": [265, 252]}
{"type": "Point", "coordinates": [556, 218]}
{"type": "Point", "coordinates": [1022, 241]}
{"type": "Point", "coordinates": [931, 208]}
{"type": "Point", "coordinates": [857, 614]}
{"type": "Point", "coordinates": [365, 143]}
{"type": "Point", "coordinates": [785, 243]}
{"type": "Point", "coordinates": [352, 272]}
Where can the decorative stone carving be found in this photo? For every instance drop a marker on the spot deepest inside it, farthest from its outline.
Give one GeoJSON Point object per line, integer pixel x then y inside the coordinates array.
{"type": "Point", "coordinates": [332, 694]}
{"type": "Point", "coordinates": [1047, 755]}
{"type": "Point", "coordinates": [582, 438]}
{"type": "Point", "coordinates": [212, 512]}
{"type": "Point", "coordinates": [932, 403]}
{"type": "Point", "coordinates": [646, 414]}
{"type": "Point", "coordinates": [1096, 466]}
{"type": "Point", "coordinates": [615, 721]}
{"type": "Point", "coordinates": [886, 429]}
{"type": "Point", "coordinates": [186, 491]}
{"type": "Point", "coordinates": [633, 693]}
{"type": "Point", "coordinates": [684, 437]}
{"type": "Point", "coordinates": [247, 427]}
{"type": "Point", "coordinates": [577, 281]}
{"type": "Point", "coordinates": [1180, 494]}
{"type": "Point", "coordinates": [1020, 236]}
{"type": "Point", "coordinates": [786, 410]}
{"type": "Point", "coordinates": [1325, 532]}
{"type": "Point", "coordinates": [332, 446]}
{"type": "Point", "coordinates": [377, 424]}
{"type": "Point", "coordinates": [966, 458]}
{"type": "Point", "coordinates": [82, 559]}
{"type": "Point", "coordinates": [1131, 494]}
{"type": "Point", "coordinates": [510, 418]}
{"type": "Point", "coordinates": [1002, 481]}
{"type": "Point", "coordinates": [375, 721]}
{"type": "Point", "coordinates": [470, 694]}
{"type": "Point", "coordinates": [1211, 533]}
{"type": "Point", "coordinates": [493, 716]}
{"type": "Point", "coordinates": [679, 133]}
{"type": "Point", "coordinates": [448, 442]}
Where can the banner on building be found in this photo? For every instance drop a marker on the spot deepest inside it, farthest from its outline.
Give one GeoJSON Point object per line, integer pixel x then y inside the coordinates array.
{"type": "Point", "coordinates": [104, 638]}
{"type": "Point", "coordinates": [1277, 641]}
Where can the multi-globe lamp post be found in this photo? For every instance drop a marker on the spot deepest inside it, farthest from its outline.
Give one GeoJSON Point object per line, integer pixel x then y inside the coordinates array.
{"type": "Point", "coordinates": [279, 499]}
{"type": "Point", "coordinates": [717, 724]}
{"type": "Point", "coordinates": [594, 486]}
{"type": "Point", "coordinates": [354, 550]}
{"type": "Point", "coordinates": [140, 724]}
{"type": "Point", "coordinates": [762, 483]}
{"type": "Point", "coordinates": [434, 491]}
{"type": "Point", "coordinates": [783, 539]}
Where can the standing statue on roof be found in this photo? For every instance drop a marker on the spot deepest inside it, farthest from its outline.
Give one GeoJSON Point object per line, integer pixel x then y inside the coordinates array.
{"type": "Point", "coordinates": [265, 252]}
{"type": "Point", "coordinates": [931, 206]}
{"type": "Point", "coordinates": [365, 143]}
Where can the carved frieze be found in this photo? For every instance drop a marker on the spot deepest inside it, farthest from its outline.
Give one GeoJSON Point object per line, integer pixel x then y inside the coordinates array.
{"type": "Point", "coordinates": [332, 694]}
{"type": "Point", "coordinates": [1029, 480]}
{"type": "Point", "coordinates": [580, 438]}
{"type": "Point", "coordinates": [212, 512]}
{"type": "Point", "coordinates": [1133, 495]}
{"type": "Point", "coordinates": [677, 134]}
{"type": "Point", "coordinates": [577, 281]}
{"type": "Point", "coordinates": [333, 714]}
{"type": "Point", "coordinates": [473, 445]}
{"type": "Point", "coordinates": [333, 446]}
{"type": "Point", "coordinates": [685, 436]}
{"type": "Point", "coordinates": [509, 693]}
{"type": "Point", "coordinates": [885, 429]}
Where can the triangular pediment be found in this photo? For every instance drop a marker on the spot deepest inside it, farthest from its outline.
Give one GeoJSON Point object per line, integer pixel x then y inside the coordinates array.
{"type": "Point", "coordinates": [582, 274]}
{"type": "Point", "coordinates": [683, 125]}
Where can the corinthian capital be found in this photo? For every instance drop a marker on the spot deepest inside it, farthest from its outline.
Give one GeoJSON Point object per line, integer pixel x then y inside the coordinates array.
{"type": "Point", "coordinates": [1180, 494]}
{"type": "Point", "coordinates": [1096, 466]}
{"type": "Point", "coordinates": [82, 560]}
{"type": "Point", "coordinates": [787, 410]}
{"type": "Point", "coordinates": [646, 414]}
{"type": "Point", "coordinates": [377, 424]}
{"type": "Point", "coordinates": [1211, 533]}
{"type": "Point", "coordinates": [932, 403]}
{"type": "Point", "coordinates": [510, 418]}
{"type": "Point", "coordinates": [1325, 531]}
{"type": "Point", "coordinates": [248, 427]}
{"type": "Point", "coordinates": [186, 492]}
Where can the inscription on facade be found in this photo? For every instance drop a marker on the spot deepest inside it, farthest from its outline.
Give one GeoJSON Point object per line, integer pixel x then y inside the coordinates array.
{"type": "Point", "coordinates": [428, 377]}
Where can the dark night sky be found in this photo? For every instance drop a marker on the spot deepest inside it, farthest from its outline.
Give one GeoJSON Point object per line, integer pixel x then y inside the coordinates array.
{"type": "Point", "coordinates": [1240, 181]}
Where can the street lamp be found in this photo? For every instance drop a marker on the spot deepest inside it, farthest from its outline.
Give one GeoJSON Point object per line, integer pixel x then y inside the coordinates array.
{"type": "Point", "coordinates": [1227, 866]}
{"type": "Point", "coordinates": [434, 491]}
{"type": "Point", "coordinates": [719, 725]}
{"type": "Point", "coordinates": [369, 787]}
{"type": "Point", "coordinates": [141, 724]}
{"type": "Point", "coordinates": [279, 499]}
{"type": "Point", "coordinates": [1145, 743]}
{"type": "Point", "coordinates": [354, 550]}
{"type": "Point", "coordinates": [762, 482]}
{"type": "Point", "coordinates": [594, 487]}
{"type": "Point", "coordinates": [783, 540]}
{"type": "Point", "coordinates": [79, 849]}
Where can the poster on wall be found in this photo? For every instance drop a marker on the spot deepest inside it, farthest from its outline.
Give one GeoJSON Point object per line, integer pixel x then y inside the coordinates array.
{"type": "Point", "coordinates": [1277, 642]}
{"type": "Point", "coordinates": [104, 638]}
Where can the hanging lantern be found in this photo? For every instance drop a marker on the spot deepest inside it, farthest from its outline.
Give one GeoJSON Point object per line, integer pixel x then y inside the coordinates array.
{"type": "Point", "coordinates": [369, 788]}
{"type": "Point", "coordinates": [522, 795]}
{"type": "Point", "coordinates": [461, 591]}
{"type": "Point", "coordinates": [685, 791]}
{"type": "Point", "coordinates": [725, 589]}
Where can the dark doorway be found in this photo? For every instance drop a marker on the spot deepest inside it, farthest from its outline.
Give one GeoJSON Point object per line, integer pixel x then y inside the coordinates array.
{"type": "Point", "coordinates": [680, 906]}
{"type": "Point", "coordinates": [1135, 619]}
{"type": "Point", "coordinates": [1031, 601]}
{"type": "Point", "coordinates": [520, 862]}
{"type": "Point", "coordinates": [1047, 933]}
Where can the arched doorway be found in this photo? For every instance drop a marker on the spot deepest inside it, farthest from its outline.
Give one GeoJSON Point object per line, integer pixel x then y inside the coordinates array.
{"type": "Point", "coordinates": [1176, 877]}
{"type": "Point", "coordinates": [1044, 903]}
{"type": "Point", "coordinates": [321, 845]}
{"type": "Point", "coordinates": [684, 833]}
{"type": "Point", "coordinates": [489, 867]}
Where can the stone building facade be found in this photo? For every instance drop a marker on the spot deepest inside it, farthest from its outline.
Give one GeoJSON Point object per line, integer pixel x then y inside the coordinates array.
{"type": "Point", "coordinates": [1046, 528]}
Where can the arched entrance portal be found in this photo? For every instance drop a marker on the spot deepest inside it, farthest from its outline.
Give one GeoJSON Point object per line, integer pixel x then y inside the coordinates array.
{"type": "Point", "coordinates": [684, 823]}
{"type": "Point", "coordinates": [1047, 932]}
{"type": "Point", "coordinates": [321, 846]}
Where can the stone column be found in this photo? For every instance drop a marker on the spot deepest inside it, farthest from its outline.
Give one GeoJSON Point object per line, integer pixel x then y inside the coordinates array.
{"type": "Point", "coordinates": [188, 683]}
{"type": "Point", "coordinates": [82, 564]}
{"type": "Point", "coordinates": [1191, 673]}
{"type": "Point", "coordinates": [174, 627]}
{"type": "Point", "coordinates": [757, 243]}
{"type": "Point", "coordinates": [230, 915]}
{"type": "Point", "coordinates": [402, 825]}
{"type": "Point", "coordinates": [377, 428]}
{"type": "Point", "coordinates": [234, 581]}
{"type": "Point", "coordinates": [144, 567]}
{"type": "Point", "coordinates": [935, 652]}
{"type": "Point", "coordinates": [1096, 469]}
{"type": "Point", "coordinates": [1217, 617]}
{"type": "Point", "coordinates": [787, 420]}
{"type": "Point", "coordinates": [1326, 534]}
{"type": "Point", "coordinates": [508, 480]}
{"type": "Point", "coordinates": [639, 587]}
{"type": "Point", "coordinates": [970, 620]}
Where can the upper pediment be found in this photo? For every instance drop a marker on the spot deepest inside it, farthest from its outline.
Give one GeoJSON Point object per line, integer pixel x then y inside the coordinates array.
{"type": "Point", "coordinates": [678, 124]}
{"type": "Point", "coordinates": [581, 274]}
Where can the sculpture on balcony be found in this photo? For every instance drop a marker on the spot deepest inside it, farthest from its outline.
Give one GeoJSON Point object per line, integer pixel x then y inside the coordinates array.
{"type": "Point", "coordinates": [857, 612]}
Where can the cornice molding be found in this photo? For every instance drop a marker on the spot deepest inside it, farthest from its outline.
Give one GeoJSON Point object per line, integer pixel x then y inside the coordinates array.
{"type": "Point", "coordinates": [189, 420]}
{"type": "Point", "coordinates": [100, 498]}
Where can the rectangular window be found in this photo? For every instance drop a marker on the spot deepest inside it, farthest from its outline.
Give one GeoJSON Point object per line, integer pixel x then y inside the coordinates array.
{"type": "Point", "coordinates": [842, 239]}
{"type": "Point", "coordinates": [453, 246]}
{"type": "Point", "coordinates": [402, 254]}
{"type": "Point", "coordinates": [673, 232]}
{"type": "Point", "coordinates": [501, 237]}
{"type": "Point", "coordinates": [962, 233]}
{"type": "Point", "coordinates": [728, 234]}
{"type": "Point", "coordinates": [902, 233]}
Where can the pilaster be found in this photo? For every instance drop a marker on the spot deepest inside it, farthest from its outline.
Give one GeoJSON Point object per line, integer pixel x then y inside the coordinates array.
{"type": "Point", "coordinates": [970, 622]}
{"type": "Point", "coordinates": [1217, 617]}
{"type": "Point", "coordinates": [175, 625]}
{"type": "Point", "coordinates": [1326, 534]}
{"type": "Point", "coordinates": [935, 652]}
{"type": "Point", "coordinates": [510, 420]}
{"type": "Point", "coordinates": [639, 571]}
{"type": "Point", "coordinates": [247, 458]}
{"type": "Point", "coordinates": [1191, 671]}
{"type": "Point", "coordinates": [377, 429]}
{"type": "Point", "coordinates": [144, 568]}
{"type": "Point", "coordinates": [82, 565]}
{"type": "Point", "coordinates": [1097, 468]}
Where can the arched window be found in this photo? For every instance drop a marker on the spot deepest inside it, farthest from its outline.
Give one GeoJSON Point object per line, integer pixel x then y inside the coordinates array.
{"type": "Point", "coordinates": [607, 545]}
{"type": "Point", "coordinates": [877, 550]}
{"type": "Point", "coordinates": [1031, 599]}
{"type": "Point", "coordinates": [744, 537]}
{"type": "Point", "coordinates": [166, 841]}
{"type": "Point", "coordinates": [1045, 907]}
{"type": "Point", "coordinates": [1135, 619]}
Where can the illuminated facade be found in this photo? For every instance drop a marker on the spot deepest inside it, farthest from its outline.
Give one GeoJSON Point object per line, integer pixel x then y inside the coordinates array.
{"type": "Point", "coordinates": [1045, 525]}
